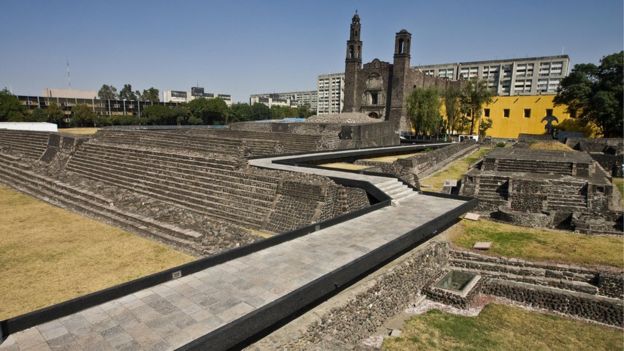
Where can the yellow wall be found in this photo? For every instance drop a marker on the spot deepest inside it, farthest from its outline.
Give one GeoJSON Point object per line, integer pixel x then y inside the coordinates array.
{"type": "Point", "coordinates": [511, 127]}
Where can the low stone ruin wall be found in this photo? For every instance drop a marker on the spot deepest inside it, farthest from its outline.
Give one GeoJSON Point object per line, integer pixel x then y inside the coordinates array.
{"type": "Point", "coordinates": [425, 163]}
{"type": "Point", "coordinates": [359, 314]}
{"type": "Point", "coordinates": [333, 136]}
{"type": "Point", "coordinates": [303, 199]}
{"type": "Point", "coordinates": [596, 308]}
{"type": "Point", "coordinates": [591, 293]}
{"type": "Point", "coordinates": [608, 152]}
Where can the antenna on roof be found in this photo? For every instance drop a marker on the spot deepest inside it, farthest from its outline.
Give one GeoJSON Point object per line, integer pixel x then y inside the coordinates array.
{"type": "Point", "coordinates": [562, 50]}
{"type": "Point", "coordinates": [68, 75]}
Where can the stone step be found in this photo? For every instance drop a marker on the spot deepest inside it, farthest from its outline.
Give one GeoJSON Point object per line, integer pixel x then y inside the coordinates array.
{"type": "Point", "coordinates": [213, 188]}
{"type": "Point", "coordinates": [570, 272]}
{"type": "Point", "coordinates": [571, 285]}
{"type": "Point", "coordinates": [178, 237]}
{"type": "Point", "coordinates": [197, 179]}
{"type": "Point", "coordinates": [206, 208]}
{"type": "Point", "coordinates": [181, 168]}
{"type": "Point", "coordinates": [108, 149]}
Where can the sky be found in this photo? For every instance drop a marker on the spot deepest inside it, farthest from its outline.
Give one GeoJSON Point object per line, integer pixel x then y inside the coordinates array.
{"type": "Point", "coordinates": [246, 47]}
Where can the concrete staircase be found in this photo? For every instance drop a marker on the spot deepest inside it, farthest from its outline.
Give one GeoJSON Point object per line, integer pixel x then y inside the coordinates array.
{"type": "Point", "coordinates": [396, 190]}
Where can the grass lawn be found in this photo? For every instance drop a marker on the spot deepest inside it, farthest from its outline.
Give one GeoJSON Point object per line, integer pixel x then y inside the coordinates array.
{"type": "Point", "coordinates": [49, 255]}
{"type": "Point", "coordinates": [540, 244]}
{"type": "Point", "coordinates": [78, 131]}
{"type": "Point", "coordinates": [344, 165]}
{"type": "Point", "coordinates": [455, 170]}
{"type": "Point", "coordinates": [390, 159]}
{"type": "Point", "coordinates": [501, 327]}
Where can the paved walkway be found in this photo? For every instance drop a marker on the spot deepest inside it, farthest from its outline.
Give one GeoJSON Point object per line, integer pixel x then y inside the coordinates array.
{"type": "Point", "coordinates": [173, 314]}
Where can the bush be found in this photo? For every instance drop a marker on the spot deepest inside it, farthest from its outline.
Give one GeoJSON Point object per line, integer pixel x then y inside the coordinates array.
{"type": "Point", "coordinates": [500, 144]}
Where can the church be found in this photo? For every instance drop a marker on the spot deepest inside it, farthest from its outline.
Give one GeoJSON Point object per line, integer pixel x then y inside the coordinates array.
{"type": "Point", "coordinates": [380, 89]}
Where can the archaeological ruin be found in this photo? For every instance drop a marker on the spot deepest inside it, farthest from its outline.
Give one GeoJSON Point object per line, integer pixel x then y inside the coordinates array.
{"type": "Point", "coordinates": [545, 188]}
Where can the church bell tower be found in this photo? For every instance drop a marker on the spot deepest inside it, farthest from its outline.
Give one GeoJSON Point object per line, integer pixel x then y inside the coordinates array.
{"type": "Point", "coordinates": [353, 63]}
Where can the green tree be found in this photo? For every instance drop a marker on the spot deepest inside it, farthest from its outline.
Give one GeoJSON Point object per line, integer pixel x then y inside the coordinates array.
{"type": "Point", "coordinates": [423, 108]}
{"type": "Point", "coordinates": [452, 105]}
{"type": "Point", "coordinates": [484, 125]}
{"type": "Point", "coordinates": [82, 116]}
{"type": "Point", "coordinates": [55, 114]}
{"type": "Point", "coordinates": [10, 107]}
{"type": "Point", "coordinates": [475, 94]}
{"type": "Point", "coordinates": [107, 92]}
{"type": "Point", "coordinates": [596, 94]}
{"type": "Point", "coordinates": [151, 94]}
{"type": "Point", "coordinates": [36, 115]}
{"type": "Point", "coordinates": [210, 111]}
{"type": "Point", "coordinates": [240, 112]}
{"type": "Point", "coordinates": [126, 93]}
{"type": "Point", "coordinates": [304, 111]}
{"type": "Point", "coordinates": [165, 115]}
{"type": "Point", "coordinates": [259, 112]}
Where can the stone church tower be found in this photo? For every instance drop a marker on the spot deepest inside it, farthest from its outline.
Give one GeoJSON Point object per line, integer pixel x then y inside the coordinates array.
{"type": "Point", "coordinates": [380, 89]}
{"type": "Point", "coordinates": [353, 63]}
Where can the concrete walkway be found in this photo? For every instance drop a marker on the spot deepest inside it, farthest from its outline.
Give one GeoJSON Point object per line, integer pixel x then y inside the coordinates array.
{"type": "Point", "coordinates": [170, 315]}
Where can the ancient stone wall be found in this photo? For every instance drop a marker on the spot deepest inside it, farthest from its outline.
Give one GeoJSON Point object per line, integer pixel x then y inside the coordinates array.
{"type": "Point", "coordinates": [383, 296]}
{"type": "Point", "coordinates": [600, 309]}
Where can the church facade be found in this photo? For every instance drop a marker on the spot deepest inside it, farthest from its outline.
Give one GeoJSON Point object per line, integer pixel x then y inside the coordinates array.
{"type": "Point", "coordinates": [380, 89]}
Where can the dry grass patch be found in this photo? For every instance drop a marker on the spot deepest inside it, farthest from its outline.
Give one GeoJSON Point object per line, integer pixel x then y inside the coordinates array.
{"type": "Point", "coordinates": [78, 131]}
{"type": "Point", "coordinates": [541, 244]}
{"type": "Point", "coordinates": [549, 145]}
{"type": "Point", "coordinates": [455, 170]}
{"type": "Point", "coordinates": [390, 159]}
{"type": "Point", "coordinates": [344, 165]}
{"type": "Point", "coordinates": [501, 327]}
{"type": "Point", "coordinates": [49, 255]}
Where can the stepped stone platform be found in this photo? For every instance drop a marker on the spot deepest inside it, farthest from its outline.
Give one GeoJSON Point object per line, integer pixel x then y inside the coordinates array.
{"type": "Point", "coordinates": [560, 189]}
{"type": "Point", "coordinates": [178, 313]}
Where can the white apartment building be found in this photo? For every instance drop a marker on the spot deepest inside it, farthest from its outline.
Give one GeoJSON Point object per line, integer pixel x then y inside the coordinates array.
{"type": "Point", "coordinates": [330, 92]}
{"type": "Point", "coordinates": [520, 76]}
{"type": "Point", "coordinates": [195, 92]}
{"type": "Point", "coordinates": [290, 99]}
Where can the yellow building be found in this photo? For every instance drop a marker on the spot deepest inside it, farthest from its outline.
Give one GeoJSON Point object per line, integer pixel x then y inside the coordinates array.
{"type": "Point", "coordinates": [513, 115]}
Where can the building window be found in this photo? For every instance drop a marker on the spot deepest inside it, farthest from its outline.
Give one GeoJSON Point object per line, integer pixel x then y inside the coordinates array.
{"type": "Point", "coordinates": [374, 99]}
{"type": "Point", "coordinates": [527, 113]}
{"type": "Point", "coordinates": [549, 112]}
{"type": "Point", "coordinates": [486, 112]}
{"type": "Point", "coordinates": [506, 112]}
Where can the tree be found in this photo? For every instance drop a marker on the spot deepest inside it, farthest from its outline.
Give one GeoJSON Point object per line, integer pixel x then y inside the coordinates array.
{"type": "Point", "coordinates": [484, 125]}
{"type": "Point", "coordinates": [304, 111]}
{"type": "Point", "coordinates": [259, 112]}
{"type": "Point", "coordinates": [165, 115]}
{"type": "Point", "coordinates": [210, 111]}
{"type": "Point", "coordinates": [595, 94]}
{"type": "Point", "coordinates": [423, 108]}
{"type": "Point", "coordinates": [82, 116]}
{"type": "Point", "coordinates": [452, 105]}
{"type": "Point", "coordinates": [10, 107]}
{"type": "Point", "coordinates": [107, 92]}
{"type": "Point", "coordinates": [240, 112]}
{"type": "Point", "coordinates": [475, 94]}
{"type": "Point", "coordinates": [126, 93]}
{"type": "Point", "coordinates": [151, 95]}
{"type": "Point", "coordinates": [55, 114]}
{"type": "Point", "coordinates": [37, 115]}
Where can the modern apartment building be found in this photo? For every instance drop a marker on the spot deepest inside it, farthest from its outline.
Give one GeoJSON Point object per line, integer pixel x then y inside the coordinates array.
{"type": "Point", "coordinates": [179, 96]}
{"type": "Point", "coordinates": [290, 99]}
{"type": "Point", "coordinates": [330, 91]}
{"type": "Point", "coordinates": [520, 76]}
